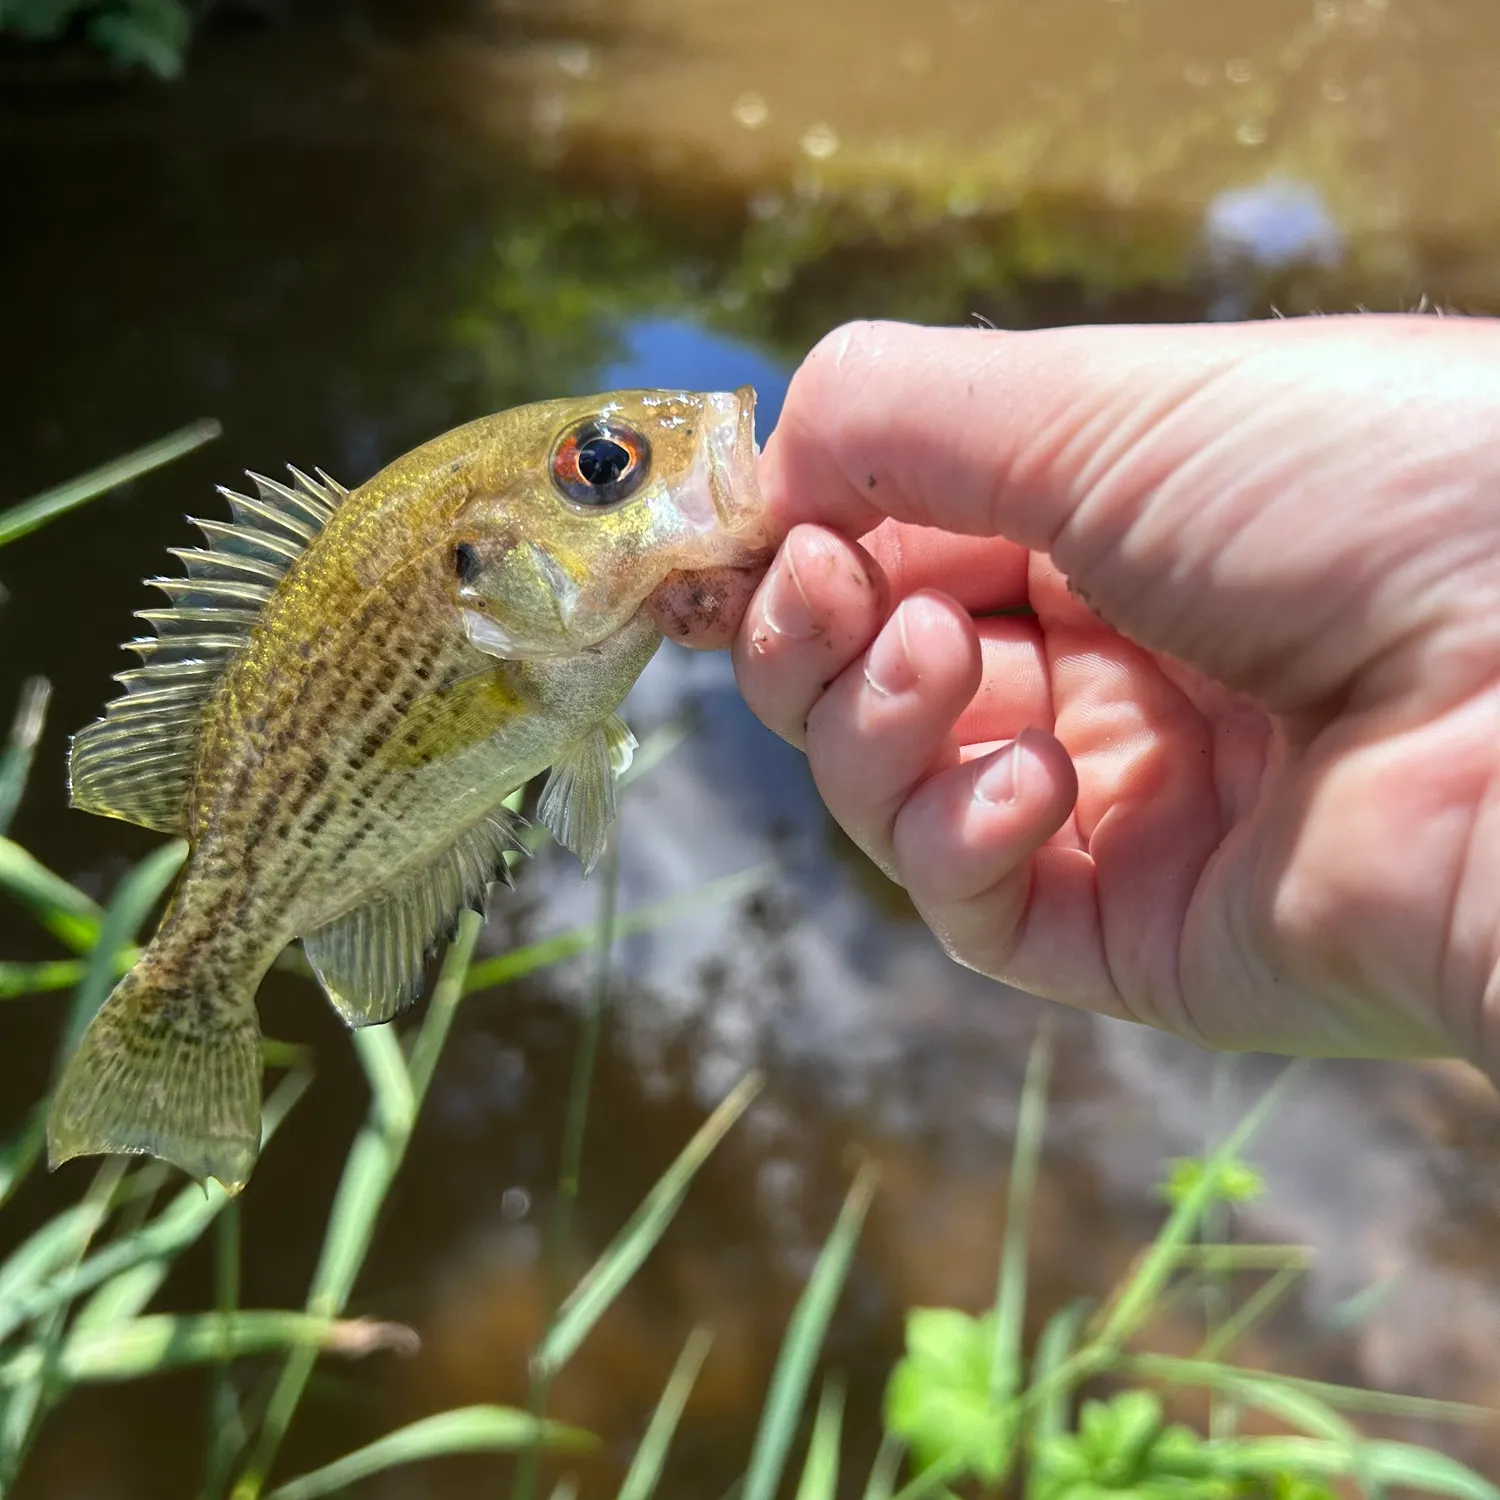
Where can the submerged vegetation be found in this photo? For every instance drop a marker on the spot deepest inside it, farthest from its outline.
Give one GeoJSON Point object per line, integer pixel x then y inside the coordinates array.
{"type": "Point", "coordinates": [1090, 1412]}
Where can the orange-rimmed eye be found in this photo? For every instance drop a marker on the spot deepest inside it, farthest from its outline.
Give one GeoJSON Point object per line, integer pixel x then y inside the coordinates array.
{"type": "Point", "coordinates": [600, 463]}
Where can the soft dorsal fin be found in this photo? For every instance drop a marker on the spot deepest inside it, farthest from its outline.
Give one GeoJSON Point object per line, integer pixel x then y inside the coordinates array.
{"type": "Point", "coordinates": [137, 761]}
{"type": "Point", "coordinates": [372, 960]}
{"type": "Point", "coordinates": [578, 802]}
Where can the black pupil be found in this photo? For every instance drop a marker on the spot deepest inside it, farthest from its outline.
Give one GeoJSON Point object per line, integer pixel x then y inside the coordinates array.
{"type": "Point", "coordinates": [602, 461]}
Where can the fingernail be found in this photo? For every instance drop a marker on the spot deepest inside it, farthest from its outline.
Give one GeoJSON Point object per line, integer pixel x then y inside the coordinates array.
{"type": "Point", "coordinates": [1000, 783]}
{"type": "Point", "coordinates": [888, 666]}
{"type": "Point", "coordinates": [785, 608]}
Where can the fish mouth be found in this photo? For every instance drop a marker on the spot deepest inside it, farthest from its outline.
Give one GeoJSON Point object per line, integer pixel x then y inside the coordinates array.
{"type": "Point", "coordinates": [730, 453]}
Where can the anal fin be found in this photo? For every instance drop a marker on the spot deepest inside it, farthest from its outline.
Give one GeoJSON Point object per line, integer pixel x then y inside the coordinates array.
{"type": "Point", "coordinates": [578, 802]}
{"type": "Point", "coordinates": [372, 960]}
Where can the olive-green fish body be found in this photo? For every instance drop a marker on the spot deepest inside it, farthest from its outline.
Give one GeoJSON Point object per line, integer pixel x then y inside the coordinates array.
{"type": "Point", "coordinates": [343, 693]}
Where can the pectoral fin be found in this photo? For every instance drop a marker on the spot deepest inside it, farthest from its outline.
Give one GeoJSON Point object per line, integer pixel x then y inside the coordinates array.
{"type": "Point", "coordinates": [578, 802]}
{"type": "Point", "coordinates": [371, 962]}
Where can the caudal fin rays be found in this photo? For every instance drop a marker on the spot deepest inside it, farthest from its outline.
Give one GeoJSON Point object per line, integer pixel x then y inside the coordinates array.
{"type": "Point", "coordinates": [168, 1072]}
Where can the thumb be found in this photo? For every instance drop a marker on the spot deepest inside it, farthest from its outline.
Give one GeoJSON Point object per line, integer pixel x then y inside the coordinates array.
{"type": "Point", "coordinates": [1281, 505]}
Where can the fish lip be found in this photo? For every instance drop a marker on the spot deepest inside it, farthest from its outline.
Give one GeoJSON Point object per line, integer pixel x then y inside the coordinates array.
{"type": "Point", "coordinates": [730, 454]}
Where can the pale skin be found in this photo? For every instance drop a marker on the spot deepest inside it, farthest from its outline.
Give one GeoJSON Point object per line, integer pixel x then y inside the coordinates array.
{"type": "Point", "coordinates": [1234, 774]}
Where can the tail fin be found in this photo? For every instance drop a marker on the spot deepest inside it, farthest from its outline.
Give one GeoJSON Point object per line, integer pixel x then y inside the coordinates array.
{"type": "Point", "coordinates": [164, 1070]}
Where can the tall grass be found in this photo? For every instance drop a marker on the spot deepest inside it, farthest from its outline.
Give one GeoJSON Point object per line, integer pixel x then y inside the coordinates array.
{"type": "Point", "coordinates": [968, 1408]}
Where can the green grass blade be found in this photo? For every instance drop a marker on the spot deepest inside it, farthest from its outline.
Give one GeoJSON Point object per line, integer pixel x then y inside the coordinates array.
{"type": "Point", "coordinates": [370, 1168]}
{"type": "Point", "coordinates": [226, 1423]}
{"type": "Point", "coordinates": [1355, 1398]}
{"type": "Point", "coordinates": [1270, 1393]}
{"type": "Point", "coordinates": [1053, 1350]}
{"type": "Point", "coordinates": [157, 1342]}
{"type": "Point", "coordinates": [392, 1095]}
{"type": "Point", "coordinates": [645, 1468]}
{"type": "Point", "coordinates": [19, 979]}
{"type": "Point", "coordinates": [1379, 1463]}
{"type": "Point", "coordinates": [610, 1274]}
{"type": "Point", "coordinates": [1010, 1291]}
{"type": "Point", "coordinates": [519, 962]}
{"type": "Point", "coordinates": [820, 1470]}
{"type": "Point", "coordinates": [1134, 1303]}
{"type": "Point", "coordinates": [469, 1429]}
{"type": "Point", "coordinates": [804, 1341]}
{"type": "Point", "coordinates": [1227, 1332]}
{"type": "Point", "coordinates": [15, 759]}
{"type": "Point", "coordinates": [22, 1150]}
{"type": "Point", "coordinates": [881, 1484]}
{"type": "Point", "coordinates": [61, 1239]}
{"type": "Point", "coordinates": [40, 509]}
{"type": "Point", "coordinates": [62, 909]}
{"type": "Point", "coordinates": [1423, 1469]}
{"type": "Point", "coordinates": [178, 1225]}
{"type": "Point", "coordinates": [133, 901]}
{"type": "Point", "coordinates": [37, 1387]}
{"type": "Point", "coordinates": [124, 1296]}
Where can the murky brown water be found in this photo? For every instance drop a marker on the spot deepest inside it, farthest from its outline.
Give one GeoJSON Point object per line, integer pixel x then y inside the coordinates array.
{"type": "Point", "coordinates": [341, 236]}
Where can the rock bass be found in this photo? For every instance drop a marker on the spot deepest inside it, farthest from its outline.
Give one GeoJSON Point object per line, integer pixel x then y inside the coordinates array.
{"type": "Point", "coordinates": [343, 689]}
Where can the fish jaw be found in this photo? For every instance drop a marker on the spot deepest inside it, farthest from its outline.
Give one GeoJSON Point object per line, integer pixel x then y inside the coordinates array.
{"type": "Point", "coordinates": [720, 502]}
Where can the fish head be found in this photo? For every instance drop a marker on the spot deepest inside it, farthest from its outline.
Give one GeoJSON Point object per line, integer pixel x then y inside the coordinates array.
{"type": "Point", "coordinates": [582, 508]}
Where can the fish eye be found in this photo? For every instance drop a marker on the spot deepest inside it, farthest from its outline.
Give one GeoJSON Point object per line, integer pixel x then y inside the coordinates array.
{"type": "Point", "coordinates": [600, 463]}
{"type": "Point", "coordinates": [466, 563]}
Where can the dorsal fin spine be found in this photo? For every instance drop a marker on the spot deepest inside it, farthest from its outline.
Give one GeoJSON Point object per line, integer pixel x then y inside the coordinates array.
{"type": "Point", "coordinates": [137, 762]}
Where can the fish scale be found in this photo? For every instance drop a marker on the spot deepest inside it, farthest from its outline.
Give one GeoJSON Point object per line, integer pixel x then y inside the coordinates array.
{"type": "Point", "coordinates": [339, 696]}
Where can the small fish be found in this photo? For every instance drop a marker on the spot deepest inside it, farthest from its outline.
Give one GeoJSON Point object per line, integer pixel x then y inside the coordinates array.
{"type": "Point", "coordinates": [341, 693]}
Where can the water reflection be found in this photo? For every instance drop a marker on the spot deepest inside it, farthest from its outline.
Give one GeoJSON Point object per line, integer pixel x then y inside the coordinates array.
{"type": "Point", "coordinates": [340, 247]}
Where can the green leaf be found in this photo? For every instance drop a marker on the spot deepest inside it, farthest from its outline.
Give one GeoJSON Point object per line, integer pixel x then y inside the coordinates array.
{"type": "Point", "coordinates": [645, 1468]}
{"type": "Point", "coordinates": [1233, 1181]}
{"type": "Point", "coordinates": [803, 1340]}
{"type": "Point", "coordinates": [938, 1398]}
{"type": "Point", "coordinates": [40, 509]}
{"type": "Point", "coordinates": [469, 1429]}
{"type": "Point", "coordinates": [820, 1470]}
{"type": "Point", "coordinates": [167, 1341]}
{"type": "Point", "coordinates": [622, 1258]}
{"type": "Point", "coordinates": [62, 909]}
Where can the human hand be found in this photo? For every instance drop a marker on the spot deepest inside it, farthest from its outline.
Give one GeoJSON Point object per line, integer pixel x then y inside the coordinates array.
{"type": "Point", "coordinates": [1235, 775]}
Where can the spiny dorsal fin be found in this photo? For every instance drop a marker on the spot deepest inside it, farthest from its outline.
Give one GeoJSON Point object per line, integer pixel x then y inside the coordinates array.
{"type": "Point", "coordinates": [578, 802]}
{"type": "Point", "coordinates": [137, 761]}
{"type": "Point", "coordinates": [372, 960]}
